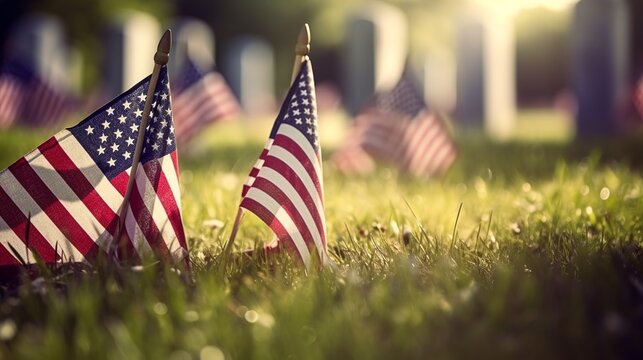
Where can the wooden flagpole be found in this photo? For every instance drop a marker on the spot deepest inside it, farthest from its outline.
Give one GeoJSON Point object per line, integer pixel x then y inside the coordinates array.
{"type": "Point", "coordinates": [302, 48]}
{"type": "Point", "coordinates": [160, 58]}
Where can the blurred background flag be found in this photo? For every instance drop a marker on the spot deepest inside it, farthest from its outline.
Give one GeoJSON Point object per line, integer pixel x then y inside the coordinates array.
{"type": "Point", "coordinates": [398, 127]}
{"type": "Point", "coordinates": [638, 96]}
{"type": "Point", "coordinates": [200, 98]}
{"type": "Point", "coordinates": [28, 99]}
{"type": "Point", "coordinates": [285, 187]}
{"type": "Point", "coordinates": [61, 200]}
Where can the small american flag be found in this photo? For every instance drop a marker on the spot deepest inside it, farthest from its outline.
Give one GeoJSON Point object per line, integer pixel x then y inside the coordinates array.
{"type": "Point", "coordinates": [68, 191]}
{"type": "Point", "coordinates": [200, 98]}
{"type": "Point", "coordinates": [27, 98]}
{"type": "Point", "coordinates": [285, 187]}
{"type": "Point", "coordinates": [399, 128]}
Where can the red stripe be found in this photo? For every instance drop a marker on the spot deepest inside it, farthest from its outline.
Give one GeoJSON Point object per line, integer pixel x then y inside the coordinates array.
{"type": "Point", "coordinates": [51, 205]}
{"type": "Point", "coordinates": [7, 258]}
{"type": "Point", "coordinates": [17, 221]}
{"type": "Point", "coordinates": [120, 182]}
{"type": "Point", "coordinates": [269, 219]}
{"type": "Point", "coordinates": [292, 147]}
{"type": "Point", "coordinates": [282, 168]}
{"type": "Point", "coordinates": [275, 192]}
{"type": "Point", "coordinates": [163, 191]}
{"type": "Point", "coordinates": [77, 181]}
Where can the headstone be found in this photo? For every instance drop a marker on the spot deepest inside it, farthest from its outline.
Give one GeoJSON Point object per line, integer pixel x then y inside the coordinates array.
{"type": "Point", "coordinates": [191, 38]}
{"type": "Point", "coordinates": [130, 43]}
{"type": "Point", "coordinates": [375, 52]}
{"type": "Point", "coordinates": [249, 69]}
{"type": "Point", "coordinates": [600, 66]}
{"type": "Point", "coordinates": [485, 57]}
{"type": "Point", "coordinates": [437, 77]}
{"type": "Point", "coordinates": [38, 42]}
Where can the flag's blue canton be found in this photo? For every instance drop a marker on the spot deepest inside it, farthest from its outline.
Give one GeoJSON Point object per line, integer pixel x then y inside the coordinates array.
{"type": "Point", "coordinates": [404, 98]}
{"type": "Point", "coordinates": [300, 108]}
{"type": "Point", "coordinates": [109, 135]}
{"type": "Point", "coordinates": [19, 71]}
{"type": "Point", "coordinates": [190, 73]}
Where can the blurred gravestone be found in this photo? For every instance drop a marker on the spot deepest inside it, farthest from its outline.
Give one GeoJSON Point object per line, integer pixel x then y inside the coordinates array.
{"type": "Point", "coordinates": [38, 42]}
{"type": "Point", "coordinates": [249, 68]}
{"type": "Point", "coordinates": [437, 79]}
{"type": "Point", "coordinates": [486, 95]}
{"type": "Point", "coordinates": [375, 52]}
{"type": "Point", "coordinates": [130, 44]}
{"type": "Point", "coordinates": [600, 52]}
{"type": "Point", "coordinates": [191, 38]}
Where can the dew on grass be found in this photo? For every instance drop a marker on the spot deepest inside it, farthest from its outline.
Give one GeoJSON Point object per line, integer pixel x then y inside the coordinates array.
{"type": "Point", "coordinates": [251, 316]}
{"type": "Point", "coordinates": [584, 190]}
{"type": "Point", "coordinates": [526, 187]}
{"type": "Point", "coordinates": [7, 330]}
{"type": "Point", "coordinates": [160, 308]}
{"type": "Point", "coordinates": [605, 193]}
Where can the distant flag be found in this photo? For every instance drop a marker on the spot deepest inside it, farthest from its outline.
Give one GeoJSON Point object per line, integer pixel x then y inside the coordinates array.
{"type": "Point", "coordinates": [61, 201]}
{"type": "Point", "coordinates": [285, 187]}
{"type": "Point", "coordinates": [638, 96]}
{"type": "Point", "coordinates": [200, 98]}
{"type": "Point", "coordinates": [398, 127]}
{"type": "Point", "coordinates": [30, 100]}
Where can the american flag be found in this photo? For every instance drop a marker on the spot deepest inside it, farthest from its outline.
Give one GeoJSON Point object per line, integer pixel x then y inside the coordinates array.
{"type": "Point", "coordinates": [68, 191]}
{"type": "Point", "coordinates": [27, 98]}
{"type": "Point", "coordinates": [285, 187]}
{"type": "Point", "coordinates": [200, 98]}
{"type": "Point", "coordinates": [398, 127]}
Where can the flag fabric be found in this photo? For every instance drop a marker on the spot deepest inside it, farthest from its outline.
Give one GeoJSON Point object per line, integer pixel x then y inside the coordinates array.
{"type": "Point", "coordinates": [285, 187]}
{"type": "Point", "coordinates": [27, 98]}
{"type": "Point", "coordinates": [62, 200]}
{"type": "Point", "coordinates": [200, 98]}
{"type": "Point", "coordinates": [399, 128]}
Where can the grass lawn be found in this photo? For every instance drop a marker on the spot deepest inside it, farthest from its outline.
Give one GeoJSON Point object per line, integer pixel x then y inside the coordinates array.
{"type": "Point", "coordinates": [545, 260]}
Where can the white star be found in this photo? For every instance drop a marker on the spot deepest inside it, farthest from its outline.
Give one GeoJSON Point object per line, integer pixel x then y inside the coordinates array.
{"type": "Point", "coordinates": [110, 111]}
{"type": "Point", "coordinates": [302, 84]}
{"type": "Point", "coordinates": [155, 146]}
{"type": "Point", "coordinates": [172, 129]}
{"type": "Point", "coordinates": [129, 141]}
{"type": "Point", "coordinates": [307, 111]}
{"type": "Point", "coordinates": [169, 141]}
{"type": "Point", "coordinates": [126, 105]}
{"type": "Point", "coordinates": [126, 155]}
{"type": "Point", "coordinates": [309, 131]}
{"type": "Point", "coordinates": [154, 105]}
{"type": "Point", "coordinates": [122, 119]}
{"type": "Point", "coordinates": [138, 113]}
{"type": "Point", "coordinates": [308, 121]}
{"type": "Point", "coordinates": [111, 162]}
{"type": "Point", "coordinates": [164, 96]}
{"type": "Point", "coordinates": [101, 150]}
{"type": "Point", "coordinates": [316, 142]}
{"type": "Point", "coordinates": [134, 127]}
{"type": "Point", "coordinates": [305, 101]}
{"type": "Point", "coordinates": [298, 121]}
{"type": "Point", "coordinates": [105, 124]}
{"type": "Point", "coordinates": [114, 147]}
{"type": "Point", "coordinates": [103, 138]}
{"type": "Point", "coordinates": [142, 97]}
{"type": "Point", "coordinates": [286, 116]}
{"type": "Point", "coordinates": [303, 92]}
{"type": "Point", "coordinates": [163, 124]}
{"type": "Point", "coordinates": [90, 130]}
{"type": "Point", "coordinates": [118, 133]}
{"type": "Point", "coordinates": [296, 112]}
{"type": "Point", "coordinates": [168, 111]}
{"type": "Point", "coordinates": [293, 104]}
{"type": "Point", "coordinates": [159, 135]}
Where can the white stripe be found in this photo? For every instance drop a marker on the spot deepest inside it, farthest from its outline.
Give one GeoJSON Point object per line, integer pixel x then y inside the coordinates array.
{"type": "Point", "coordinates": [136, 236]}
{"type": "Point", "coordinates": [39, 219]}
{"type": "Point", "coordinates": [167, 166]}
{"type": "Point", "coordinates": [298, 168]}
{"type": "Point", "coordinates": [280, 214]}
{"type": "Point", "coordinates": [7, 236]}
{"type": "Point", "coordinates": [88, 167]}
{"type": "Point", "coordinates": [285, 186]}
{"type": "Point", "coordinates": [296, 135]}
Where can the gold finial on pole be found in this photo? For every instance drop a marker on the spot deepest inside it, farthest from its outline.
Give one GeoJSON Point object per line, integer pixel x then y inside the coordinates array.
{"type": "Point", "coordinates": [160, 58]}
{"type": "Point", "coordinates": [302, 48]}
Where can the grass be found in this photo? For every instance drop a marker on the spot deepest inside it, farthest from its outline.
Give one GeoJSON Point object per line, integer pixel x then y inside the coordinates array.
{"type": "Point", "coordinates": [546, 261]}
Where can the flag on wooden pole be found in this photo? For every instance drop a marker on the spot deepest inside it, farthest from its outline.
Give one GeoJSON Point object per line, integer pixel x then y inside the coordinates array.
{"type": "Point", "coordinates": [200, 98]}
{"type": "Point", "coordinates": [68, 191]}
{"type": "Point", "coordinates": [285, 187]}
{"type": "Point", "coordinates": [399, 128]}
{"type": "Point", "coordinates": [30, 100]}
